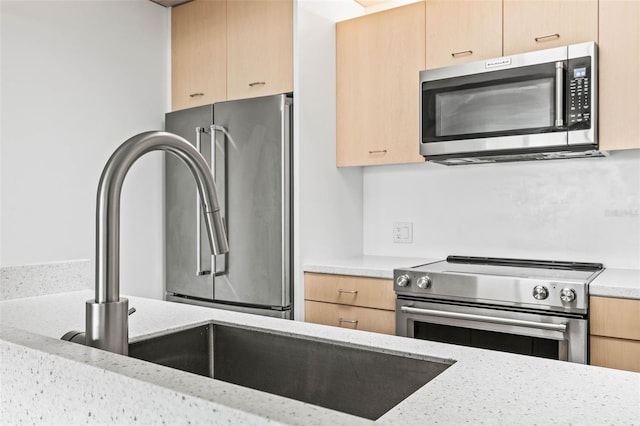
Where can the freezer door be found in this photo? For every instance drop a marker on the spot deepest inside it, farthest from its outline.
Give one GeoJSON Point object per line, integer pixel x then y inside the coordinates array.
{"type": "Point", "coordinates": [187, 256]}
{"type": "Point", "coordinates": [267, 312]}
{"type": "Point", "coordinates": [254, 137]}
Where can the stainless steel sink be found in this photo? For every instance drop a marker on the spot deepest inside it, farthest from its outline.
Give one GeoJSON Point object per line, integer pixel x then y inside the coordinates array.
{"type": "Point", "coordinates": [357, 381]}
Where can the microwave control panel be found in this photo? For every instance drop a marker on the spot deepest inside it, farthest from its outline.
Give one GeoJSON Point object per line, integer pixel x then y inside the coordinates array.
{"type": "Point", "coordinates": [579, 93]}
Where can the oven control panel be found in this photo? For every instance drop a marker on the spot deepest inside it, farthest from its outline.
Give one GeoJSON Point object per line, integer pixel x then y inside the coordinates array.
{"type": "Point", "coordinates": [522, 292]}
{"type": "Point", "coordinates": [567, 295]}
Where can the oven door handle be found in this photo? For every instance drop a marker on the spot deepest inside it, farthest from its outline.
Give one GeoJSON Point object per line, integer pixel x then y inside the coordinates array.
{"type": "Point", "coordinates": [562, 328]}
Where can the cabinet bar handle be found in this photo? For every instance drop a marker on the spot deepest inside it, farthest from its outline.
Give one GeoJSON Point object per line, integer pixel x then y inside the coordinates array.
{"type": "Point", "coordinates": [462, 53]}
{"type": "Point", "coordinates": [342, 290]}
{"type": "Point", "coordinates": [257, 83]}
{"type": "Point", "coordinates": [545, 37]}
{"type": "Point", "coordinates": [378, 151]}
{"type": "Point", "coordinates": [341, 320]}
{"type": "Point", "coordinates": [193, 95]}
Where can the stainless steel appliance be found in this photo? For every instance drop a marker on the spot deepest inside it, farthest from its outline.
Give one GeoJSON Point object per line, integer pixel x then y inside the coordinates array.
{"type": "Point", "coordinates": [528, 307]}
{"type": "Point", "coordinates": [537, 105]}
{"type": "Point", "coordinates": [248, 144]}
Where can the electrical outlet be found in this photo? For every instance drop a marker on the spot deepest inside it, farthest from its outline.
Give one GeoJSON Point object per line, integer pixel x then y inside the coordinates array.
{"type": "Point", "coordinates": [403, 232]}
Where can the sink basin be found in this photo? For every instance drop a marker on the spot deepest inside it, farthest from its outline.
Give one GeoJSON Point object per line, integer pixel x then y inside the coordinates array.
{"type": "Point", "coordinates": [362, 382]}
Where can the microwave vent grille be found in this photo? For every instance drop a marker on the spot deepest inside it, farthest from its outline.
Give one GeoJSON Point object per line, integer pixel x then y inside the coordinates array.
{"type": "Point", "coordinates": [505, 158]}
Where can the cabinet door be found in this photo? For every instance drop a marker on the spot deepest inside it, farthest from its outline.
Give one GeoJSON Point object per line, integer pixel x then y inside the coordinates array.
{"type": "Point", "coordinates": [613, 317]}
{"type": "Point", "coordinates": [260, 48]}
{"type": "Point", "coordinates": [543, 24]}
{"type": "Point", "coordinates": [619, 79]}
{"type": "Point", "coordinates": [462, 31]}
{"type": "Point", "coordinates": [354, 317]}
{"type": "Point", "coordinates": [378, 58]}
{"type": "Point", "coordinates": [349, 290]}
{"type": "Point", "coordinates": [198, 53]}
{"type": "Point", "coordinates": [615, 353]}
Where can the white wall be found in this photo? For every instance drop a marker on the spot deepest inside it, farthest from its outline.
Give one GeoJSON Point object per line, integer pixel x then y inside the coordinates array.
{"type": "Point", "coordinates": [78, 78]}
{"type": "Point", "coordinates": [577, 210]}
{"type": "Point", "coordinates": [328, 201]}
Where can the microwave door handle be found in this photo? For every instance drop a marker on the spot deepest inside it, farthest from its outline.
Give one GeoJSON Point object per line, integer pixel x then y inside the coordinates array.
{"type": "Point", "coordinates": [562, 328]}
{"type": "Point", "coordinates": [559, 94]}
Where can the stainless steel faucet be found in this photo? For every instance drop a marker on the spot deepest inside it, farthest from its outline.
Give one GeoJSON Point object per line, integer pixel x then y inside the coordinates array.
{"type": "Point", "coordinates": [106, 317]}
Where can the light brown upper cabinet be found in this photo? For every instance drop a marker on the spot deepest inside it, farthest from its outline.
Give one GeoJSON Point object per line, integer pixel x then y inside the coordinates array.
{"type": "Point", "coordinates": [198, 53]}
{"type": "Point", "coordinates": [260, 48]}
{"type": "Point", "coordinates": [378, 58]}
{"type": "Point", "coordinates": [619, 79]}
{"type": "Point", "coordinates": [462, 31]}
{"type": "Point", "coordinates": [543, 24]}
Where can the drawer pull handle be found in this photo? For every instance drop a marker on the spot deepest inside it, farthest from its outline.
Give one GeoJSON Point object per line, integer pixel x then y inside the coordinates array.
{"type": "Point", "coordinates": [257, 83]}
{"type": "Point", "coordinates": [378, 151]}
{"type": "Point", "coordinates": [462, 53]}
{"type": "Point", "coordinates": [193, 95]}
{"type": "Point", "coordinates": [547, 37]}
{"type": "Point", "coordinates": [348, 321]}
{"type": "Point", "coordinates": [342, 290]}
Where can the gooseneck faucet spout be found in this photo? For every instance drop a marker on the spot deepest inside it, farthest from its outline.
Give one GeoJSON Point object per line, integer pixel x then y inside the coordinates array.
{"type": "Point", "coordinates": [106, 318]}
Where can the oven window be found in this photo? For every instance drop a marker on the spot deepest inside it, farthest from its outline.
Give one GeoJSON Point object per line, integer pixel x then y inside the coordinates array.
{"type": "Point", "coordinates": [523, 345]}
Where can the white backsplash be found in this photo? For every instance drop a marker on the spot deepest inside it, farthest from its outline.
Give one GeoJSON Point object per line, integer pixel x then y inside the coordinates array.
{"type": "Point", "coordinates": [578, 210]}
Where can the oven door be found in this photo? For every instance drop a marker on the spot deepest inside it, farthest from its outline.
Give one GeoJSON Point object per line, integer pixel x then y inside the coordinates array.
{"type": "Point", "coordinates": [521, 332]}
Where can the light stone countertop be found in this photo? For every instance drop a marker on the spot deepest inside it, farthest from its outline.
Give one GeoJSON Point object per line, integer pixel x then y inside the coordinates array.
{"type": "Point", "coordinates": [48, 381]}
{"type": "Point", "coordinates": [624, 283]}
{"type": "Point", "coordinates": [364, 266]}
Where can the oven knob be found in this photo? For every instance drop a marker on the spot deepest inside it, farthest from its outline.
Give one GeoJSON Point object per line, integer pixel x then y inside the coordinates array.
{"type": "Point", "coordinates": [424, 282]}
{"type": "Point", "coordinates": [540, 292]}
{"type": "Point", "coordinates": [567, 295]}
{"type": "Point", "coordinates": [403, 280]}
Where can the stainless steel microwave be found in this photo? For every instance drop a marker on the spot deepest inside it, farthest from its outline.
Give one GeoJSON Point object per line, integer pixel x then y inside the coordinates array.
{"type": "Point", "coordinates": [537, 105]}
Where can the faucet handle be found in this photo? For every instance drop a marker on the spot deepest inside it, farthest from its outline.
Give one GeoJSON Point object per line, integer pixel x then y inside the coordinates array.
{"type": "Point", "coordinates": [130, 311]}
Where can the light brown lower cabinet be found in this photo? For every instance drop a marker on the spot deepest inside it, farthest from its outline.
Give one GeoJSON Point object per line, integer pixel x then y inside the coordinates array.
{"type": "Point", "coordinates": [615, 333]}
{"type": "Point", "coordinates": [611, 352]}
{"type": "Point", "coordinates": [359, 303]}
{"type": "Point", "coordinates": [354, 317]}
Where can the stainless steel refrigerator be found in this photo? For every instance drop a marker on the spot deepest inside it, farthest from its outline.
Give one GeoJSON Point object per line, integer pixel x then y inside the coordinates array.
{"type": "Point", "coordinates": [248, 144]}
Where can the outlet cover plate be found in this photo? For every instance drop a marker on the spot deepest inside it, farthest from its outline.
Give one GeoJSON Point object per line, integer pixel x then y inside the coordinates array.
{"type": "Point", "coordinates": [403, 232]}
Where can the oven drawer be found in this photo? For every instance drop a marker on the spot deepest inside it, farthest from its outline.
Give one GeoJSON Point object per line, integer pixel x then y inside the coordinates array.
{"type": "Point", "coordinates": [350, 290]}
{"type": "Point", "coordinates": [354, 317]}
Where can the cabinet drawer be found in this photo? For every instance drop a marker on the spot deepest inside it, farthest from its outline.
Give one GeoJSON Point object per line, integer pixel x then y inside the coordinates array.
{"type": "Point", "coordinates": [615, 317]}
{"type": "Point", "coordinates": [348, 290]}
{"type": "Point", "coordinates": [615, 353]}
{"type": "Point", "coordinates": [354, 317]}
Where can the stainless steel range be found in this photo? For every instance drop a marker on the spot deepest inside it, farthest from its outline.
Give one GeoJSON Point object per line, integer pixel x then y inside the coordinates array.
{"type": "Point", "coordinates": [529, 307]}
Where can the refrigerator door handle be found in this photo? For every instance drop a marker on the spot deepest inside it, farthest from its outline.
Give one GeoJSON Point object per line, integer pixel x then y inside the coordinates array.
{"type": "Point", "coordinates": [285, 188]}
{"type": "Point", "coordinates": [218, 262]}
{"type": "Point", "coordinates": [199, 270]}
